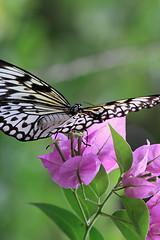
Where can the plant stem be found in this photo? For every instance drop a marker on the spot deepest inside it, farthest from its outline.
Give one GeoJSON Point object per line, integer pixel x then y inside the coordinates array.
{"type": "Point", "coordinates": [114, 217]}
{"type": "Point", "coordinates": [72, 141]}
{"type": "Point", "coordinates": [79, 145]}
{"type": "Point", "coordinates": [59, 150]}
{"type": "Point", "coordinates": [99, 212]}
{"type": "Point", "coordinates": [88, 228]}
{"type": "Point", "coordinates": [80, 206]}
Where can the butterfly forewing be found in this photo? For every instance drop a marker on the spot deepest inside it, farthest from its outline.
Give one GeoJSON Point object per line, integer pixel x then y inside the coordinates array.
{"type": "Point", "coordinates": [24, 100]}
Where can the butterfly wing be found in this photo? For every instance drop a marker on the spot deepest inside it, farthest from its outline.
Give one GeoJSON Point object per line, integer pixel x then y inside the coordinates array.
{"type": "Point", "coordinates": [96, 114]}
{"type": "Point", "coordinates": [26, 103]}
{"type": "Point", "coordinates": [119, 108]}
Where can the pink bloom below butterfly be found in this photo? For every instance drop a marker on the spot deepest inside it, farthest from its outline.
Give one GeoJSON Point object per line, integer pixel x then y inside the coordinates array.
{"type": "Point", "coordinates": [99, 150]}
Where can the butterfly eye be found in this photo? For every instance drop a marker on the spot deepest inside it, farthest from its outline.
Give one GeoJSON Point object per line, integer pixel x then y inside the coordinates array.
{"type": "Point", "coordinates": [76, 108]}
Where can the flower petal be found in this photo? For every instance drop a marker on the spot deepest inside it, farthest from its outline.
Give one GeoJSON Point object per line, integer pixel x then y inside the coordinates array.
{"type": "Point", "coordinates": [100, 133]}
{"type": "Point", "coordinates": [66, 173]}
{"type": "Point", "coordinates": [100, 139]}
{"type": "Point", "coordinates": [154, 159]}
{"type": "Point", "coordinates": [139, 188]}
{"type": "Point", "coordinates": [88, 168]}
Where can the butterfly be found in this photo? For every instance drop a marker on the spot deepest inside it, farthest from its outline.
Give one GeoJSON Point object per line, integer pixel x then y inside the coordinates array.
{"type": "Point", "coordinates": [30, 109]}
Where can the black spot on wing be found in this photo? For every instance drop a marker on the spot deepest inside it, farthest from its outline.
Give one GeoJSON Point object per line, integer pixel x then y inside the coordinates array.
{"type": "Point", "coordinates": [30, 97]}
{"type": "Point", "coordinates": [41, 88]}
{"type": "Point", "coordinates": [7, 108]}
{"type": "Point", "coordinates": [15, 101]}
{"type": "Point", "coordinates": [11, 91]}
{"type": "Point", "coordinates": [1, 118]}
{"type": "Point", "coordinates": [14, 119]}
{"type": "Point", "coordinates": [24, 124]}
{"type": "Point", "coordinates": [23, 79]}
{"type": "Point", "coordinates": [9, 84]}
{"type": "Point", "coordinates": [6, 113]}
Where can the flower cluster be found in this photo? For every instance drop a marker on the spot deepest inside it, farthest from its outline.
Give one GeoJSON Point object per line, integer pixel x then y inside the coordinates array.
{"type": "Point", "coordinates": [69, 166]}
{"type": "Point", "coordinates": [76, 159]}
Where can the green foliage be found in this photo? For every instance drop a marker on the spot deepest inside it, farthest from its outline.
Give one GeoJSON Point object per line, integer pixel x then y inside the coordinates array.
{"type": "Point", "coordinates": [136, 219]}
{"type": "Point", "coordinates": [122, 150]}
{"type": "Point", "coordinates": [67, 221]}
{"type": "Point", "coordinates": [95, 234]}
{"type": "Point", "coordinates": [138, 214]}
{"type": "Point", "coordinates": [126, 229]}
{"type": "Point", "coordinates": [88, 208]}
{"type": "Point", "coordinates": [100, 182]}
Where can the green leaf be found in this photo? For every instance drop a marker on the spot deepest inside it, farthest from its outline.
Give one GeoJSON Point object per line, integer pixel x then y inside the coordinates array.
{"type": "Point", "coordinates": [88, 207]}
{"type": "Point", "coordinates": [113, 178]}
{"type": "Point", "coordinates": [72, 226]}
{"type": "Point", "coordinates": [126, 229]}
{"type": "Point", "coordinates": [138, 213]}
{"type": "Point", "coordinates": [95, 234]}
{"type": "Point", "coordinates": [70, 196]}
{"type": "Point", "coordinates": [122, 150]}
{"type": "Point", "coordinates": [100, 182]}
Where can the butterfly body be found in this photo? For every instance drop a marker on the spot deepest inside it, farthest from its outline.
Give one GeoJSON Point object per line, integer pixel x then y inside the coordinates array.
{"type": "Point", "coordinates": [30, 109]}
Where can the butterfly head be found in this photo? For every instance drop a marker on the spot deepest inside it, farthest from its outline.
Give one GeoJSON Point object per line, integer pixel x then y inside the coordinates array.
{"type": "Point", "coordinates": [76, 108]}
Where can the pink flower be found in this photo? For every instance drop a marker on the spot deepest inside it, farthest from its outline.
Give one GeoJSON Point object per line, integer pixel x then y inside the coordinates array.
{"type": "Point", "coordinates": [154, 209]}
{"type": "Point", "coordinates": [65, 173]}
{"type": "Point", "coordinates": [100, 139]}
{"type": "Point", "coordinates": [69, 171]}
{"type": "Point", "coordinates": [142, 179]}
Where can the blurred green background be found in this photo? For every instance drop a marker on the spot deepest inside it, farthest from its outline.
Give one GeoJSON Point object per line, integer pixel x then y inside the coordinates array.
{"type": "Point", "coordinates": [91, 51]}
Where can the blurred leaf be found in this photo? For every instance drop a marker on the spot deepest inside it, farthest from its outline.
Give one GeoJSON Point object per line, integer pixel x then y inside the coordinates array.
{"type": "Point", "coordinates": [138, 213]}
{"type": "Point", "coordinates": [88, 207]}
{"type": "Point", "coordinates": [123, 151]}
{"type": "Point", "coordinates": [72, 226]}
{"type": "Point", "coordinates": [126, 229]}
{"type": "Point", "coordinates": [95, 234]}
{"type": "Point", "coordinates": [100, 182]}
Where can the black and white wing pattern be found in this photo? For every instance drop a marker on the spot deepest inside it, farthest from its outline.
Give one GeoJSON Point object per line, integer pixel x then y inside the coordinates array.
{"type": "Point", "coordinates": [97, 114]}
{"type": "Point", "coordinates": [30, 109]}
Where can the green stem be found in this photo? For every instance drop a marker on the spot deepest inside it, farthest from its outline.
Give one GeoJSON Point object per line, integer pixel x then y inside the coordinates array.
{"type": "Point", "coordinates": [96, 216]}
{"type": "Point", "coordinates": [80, 206]}
{"type": "Point", "coordinates": [59, 150]}
{"type": "Point", "coordinates": [72, 141]}
{"type": "Point", "coordinates": [79, 145]}
{"type": "Point", "coordinates": [88, 228]}
{"type": "Point", "coordinates": [114, 217]}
